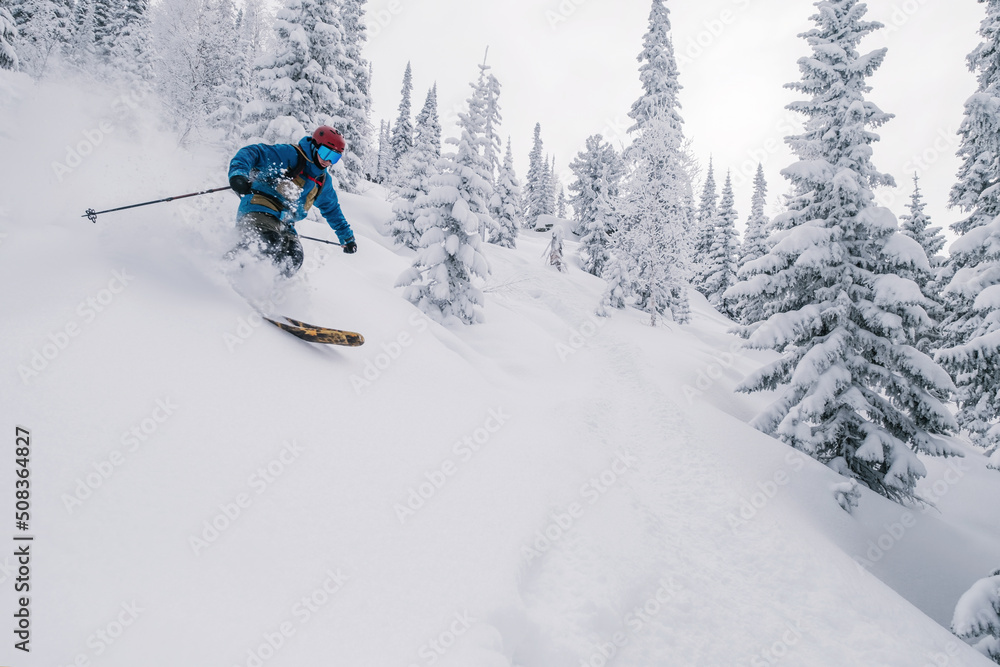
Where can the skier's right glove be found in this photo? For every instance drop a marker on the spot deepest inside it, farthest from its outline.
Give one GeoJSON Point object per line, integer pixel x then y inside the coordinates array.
{"type": "Point", "coordinates": [351, 246]}
{"type": "Point", "coordinates": [240, 184]}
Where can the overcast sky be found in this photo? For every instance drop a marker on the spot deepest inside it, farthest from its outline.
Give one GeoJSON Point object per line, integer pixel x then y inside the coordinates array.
{"type": "Point", "coordinates": [571, 65]}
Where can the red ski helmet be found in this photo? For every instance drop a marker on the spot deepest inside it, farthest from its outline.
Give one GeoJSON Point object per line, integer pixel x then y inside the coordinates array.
{"type": "Point", "coordinates": [329, 137]}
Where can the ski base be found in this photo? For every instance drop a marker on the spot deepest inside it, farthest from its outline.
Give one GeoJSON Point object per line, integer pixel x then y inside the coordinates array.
{"type": "Point", "coordinates": [315, 334]}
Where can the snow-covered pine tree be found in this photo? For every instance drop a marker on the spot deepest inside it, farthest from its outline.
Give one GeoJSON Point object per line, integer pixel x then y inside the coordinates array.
{"type": "Point", "coordinates": [132, 56]}
{"type": "Point", "coordinates": [916, 225]}
{"type": "Point", "coordinates": [299, 82]}
{"type": "Point", "coordinates": [82, 49]}
{"type": "Point", "coordinates": [428, 128]}
{"type": "Point", "coordinates": [650, 244]}
{"type": "Point", "coordinates": [617, 274]}
{"type": "Point", "coordinates": [598, 161]}
{"type": "Point", "coordinates": [973, 292]}
{"type": "Point", "coordinates": [658, 74]}
{"type": "Point", "coordinates": [534, 188]}
{"type": "Point", "coordinates": [598, 170]}
{"type": "Point", "coordinates": [253, 28]}
{"type": "Point", "coordinates": [720, 264]}
{"type": "Point", "coordinates": [596, 233]}
{"type": "Point", "coordinates": [704, 228]}
{"type": "Point", "coordinates": [416, 171]}
{"type": "Point", "coordinates": [42, 31]}
{"type": "Point", "coordinates": [451, 220]}
{"type": "Point", "coordinates": [8, 36]}
{"type": "Point", "coordinates": [551, 187]}
{"type": "Point", "coordinates": [977, 616]}
{"type": "Point", "coordinates": [402, 131]}
{"type": "Point", "coordinates": [755, 241]}
{"type": "Point", "coordinates": [196, 75]}
{"type": "Point", "coordinates": [324, 73]}
{"type": "Point", "coordinates": [353, 114]}
{"type": "Point", "coordinates": [384, 154]}
{"type": "Point", "coordinates": [107, 15]}
{"type": "Point", "coordinates": [486, 98]}
{"type": "Point", "coordinates": [754, 245]}
{"type": "Point", "coordinates": [980, 131]}
{"type": "Point", "coordinates": [561, 202]}
{"type": "Point", "coordinates": [506, 203]}
{"type": "Point", "coordinates": [852, 390]}
{"type": "Point", "coordinates": [278, 112]}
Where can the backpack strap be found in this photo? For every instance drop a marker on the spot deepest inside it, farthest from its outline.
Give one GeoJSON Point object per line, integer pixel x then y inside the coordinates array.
{"type": "Point", "coordinates": [297, 175]}
{"type": "Point", "coordinates": [298, 172]}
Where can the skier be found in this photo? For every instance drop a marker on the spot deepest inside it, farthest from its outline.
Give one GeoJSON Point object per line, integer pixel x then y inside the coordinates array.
{"type": "Point", "coordinates": [278, 185]}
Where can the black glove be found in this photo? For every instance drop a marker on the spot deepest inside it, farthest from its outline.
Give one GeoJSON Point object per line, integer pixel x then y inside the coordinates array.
{"type": "Point", "coordinates": [351, 247]}
{"type": "Point", "coordinates": [241, 184]}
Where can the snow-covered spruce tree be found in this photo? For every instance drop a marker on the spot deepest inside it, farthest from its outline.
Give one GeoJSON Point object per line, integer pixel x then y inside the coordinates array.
{"type": "Point", "coordinates": [598, 161]}
{"type": "Point", "coordinates": [550, 183]}
{"type": "Point", "coordinates": [505, 206]}
{"type": "Point", "coordinates": [384, 169]}
{"type": "Point", "coordinates": [852, 390]}
{"type": "Point", "coordinates": [107, 16]}
{"type": "Point", "coordinates": [132, 57]}
{"type": "Point", "coordinates": [195, 76]}
{"type": "Point", "coordinates": [486, 98]}
{"type": "Point", "coordinates": [658, 74]}
{"type": "Point", "coordinates": [650, 245]}
{"type": "Point", "coordinates": [598, 170]}
{"type": "Point", "coordinates": [704, 229]}
{"type": "Point", "coordinates": [916, 225]}
{"type": "Point", "coordinates": [720, 264]}
{"type": "Point", "coordinates": [253, 27]}
{"type": "Point", "coordinates": [42, 31]}
{"type": "Point", "coordinates": [451, 220]}
{"type": "Point", "coordinates": [977, 616]}
{"type": "Point", "coordinates": [561, 202]}
{"type": "Point", "coordinates": [402, 131]}
{"type": "Point", "coordinates": [980, 131]}
{"type": "Point", "coordinates": [8, 35]}
{"type": "Point", "coordinates": [972, 294]}
{"type": "Point", "coordinates": [352, 116]}
{"type": "Point", "coordinates": [974, 363]}
{"type": "Point", "coordinates": [618, 275]}
{"type": "Point", "coordinates": [595, 244]}
{"type": "Point", "coordinates": [83, 49]}
{"type": "Point", "coordinates": [534, 188]}
{"type": "Point", "coordinates": [754, 246]}
{"type": "Point", "coordinates": [325, 32]}
{"type": "Point", "coordinates": [413, 178]}
{"type": "Point", "coordinates": [755, 240]}
{"type": "Point", "coordinates": [299, 83]}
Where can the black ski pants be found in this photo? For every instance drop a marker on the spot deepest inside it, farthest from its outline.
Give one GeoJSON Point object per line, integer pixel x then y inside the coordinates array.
{"type": "Point", "coordinates": [266, 234]}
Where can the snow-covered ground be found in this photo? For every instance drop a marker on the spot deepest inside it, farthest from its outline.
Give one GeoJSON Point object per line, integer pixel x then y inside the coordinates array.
{"type": "Point", "coordinates": [546, 489]}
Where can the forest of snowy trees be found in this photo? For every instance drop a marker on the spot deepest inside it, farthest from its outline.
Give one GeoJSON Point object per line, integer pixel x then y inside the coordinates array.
{"type": "Point", "coordinates": [884, 343]}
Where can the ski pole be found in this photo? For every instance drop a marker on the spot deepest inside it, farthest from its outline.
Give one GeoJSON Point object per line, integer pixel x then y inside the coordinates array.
{"type": "Point", "coordinates": [91, 214]}
{"type": "Point", "coordinates": [321, 240]}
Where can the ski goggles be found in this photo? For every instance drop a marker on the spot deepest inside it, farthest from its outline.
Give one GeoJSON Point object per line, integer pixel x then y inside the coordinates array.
{"type": "Point", "coordinates": [327, 154]}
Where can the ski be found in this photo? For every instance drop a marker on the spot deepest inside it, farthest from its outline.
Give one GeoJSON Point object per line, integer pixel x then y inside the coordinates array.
{"type": "Point", "coordinates": [315, 334]}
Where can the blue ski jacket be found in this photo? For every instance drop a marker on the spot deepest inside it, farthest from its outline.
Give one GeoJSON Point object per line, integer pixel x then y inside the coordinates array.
{"type": "Point", "coordinates": [278, 191]}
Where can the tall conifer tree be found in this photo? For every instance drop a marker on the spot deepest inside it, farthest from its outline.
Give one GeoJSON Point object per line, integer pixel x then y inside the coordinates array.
{"type": "Point", "coordinates": [851, 388]}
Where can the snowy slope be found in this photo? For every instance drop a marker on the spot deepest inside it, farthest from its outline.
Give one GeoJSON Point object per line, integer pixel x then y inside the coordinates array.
{"type": "Point", "coordinates": [545, 489]}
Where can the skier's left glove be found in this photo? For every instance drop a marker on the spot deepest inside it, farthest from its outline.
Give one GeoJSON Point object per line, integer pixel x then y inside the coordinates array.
{"type": "Point", "coordinates": [240, 184]}
{"type": "Point", "coordinates": [351, 246]}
